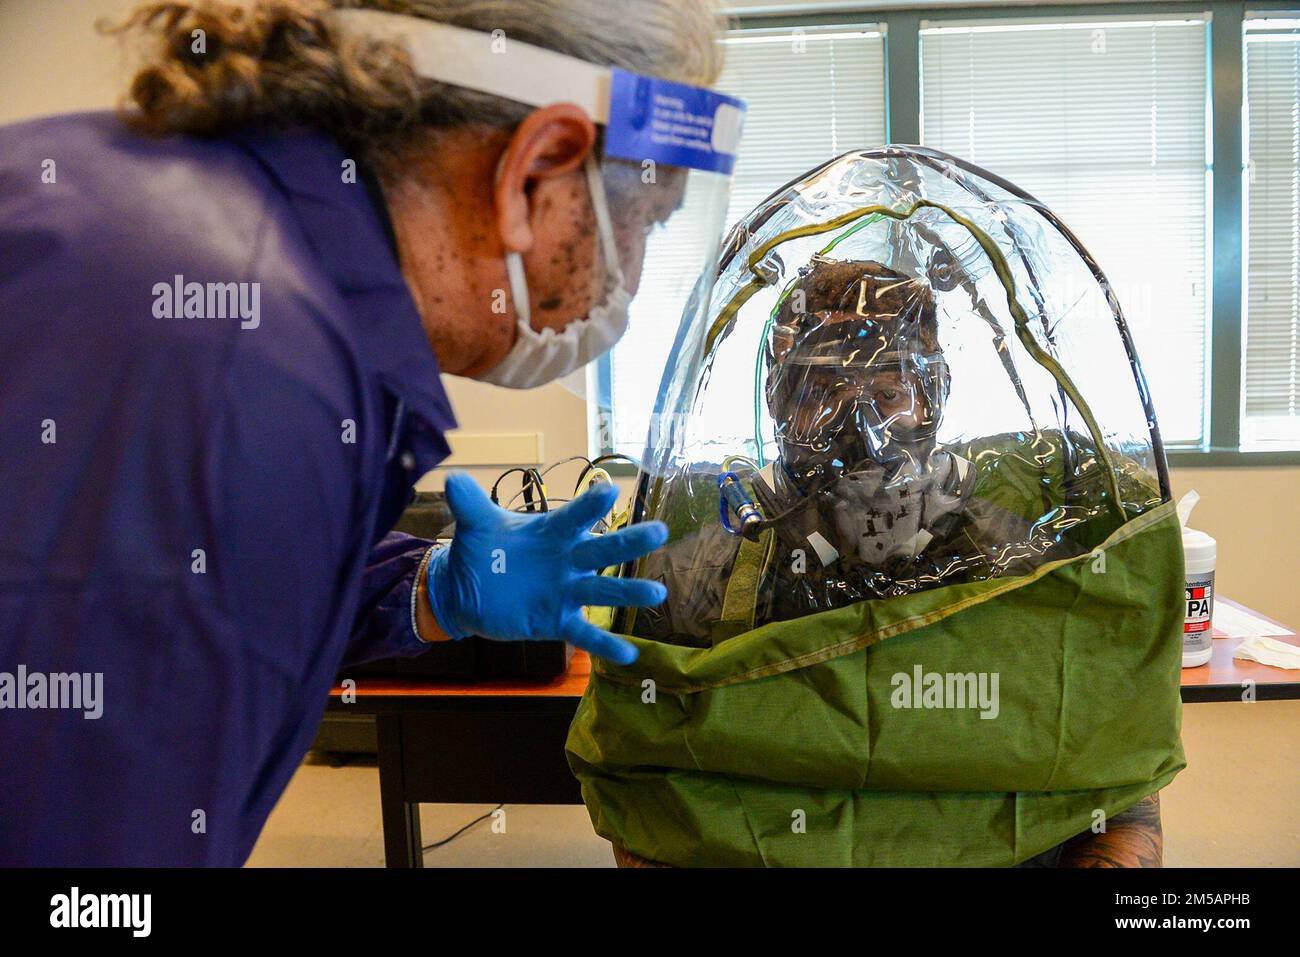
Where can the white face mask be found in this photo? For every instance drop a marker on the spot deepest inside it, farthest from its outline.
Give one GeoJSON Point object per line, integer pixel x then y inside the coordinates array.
{"type": "Point", "coordinates": [540, 357]}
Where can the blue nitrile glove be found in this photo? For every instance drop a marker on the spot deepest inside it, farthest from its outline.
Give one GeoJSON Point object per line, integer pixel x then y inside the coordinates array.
{"type": "Point", "coordinates": [510, 576]}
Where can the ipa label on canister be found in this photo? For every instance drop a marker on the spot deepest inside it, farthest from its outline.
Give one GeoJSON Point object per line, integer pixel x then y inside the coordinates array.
{"type": "Point", "coordinates": [1200, 611]}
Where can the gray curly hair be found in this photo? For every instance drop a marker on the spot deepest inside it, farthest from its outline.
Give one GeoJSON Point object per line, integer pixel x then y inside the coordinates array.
{"type": "Point", "coordinates": [281, 63]}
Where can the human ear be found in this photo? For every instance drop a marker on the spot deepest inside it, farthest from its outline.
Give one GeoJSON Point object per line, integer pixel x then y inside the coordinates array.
{"type": "Point", "coordinates": [551, 142]}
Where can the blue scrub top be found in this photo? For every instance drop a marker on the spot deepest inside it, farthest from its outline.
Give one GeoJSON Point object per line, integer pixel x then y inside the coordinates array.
{"type": "Point", "coordinates": [192, 506]}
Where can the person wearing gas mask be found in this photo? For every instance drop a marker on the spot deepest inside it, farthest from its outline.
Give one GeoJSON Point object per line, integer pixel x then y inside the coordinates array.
{"type": "Point", "coordinates": [227, 311]}
{"type": "Point", "coordinates": [862, 501]}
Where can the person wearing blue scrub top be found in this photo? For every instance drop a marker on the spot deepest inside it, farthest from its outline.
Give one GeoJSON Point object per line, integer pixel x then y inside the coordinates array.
{"type": "Point", "coordinates": [220, 362]}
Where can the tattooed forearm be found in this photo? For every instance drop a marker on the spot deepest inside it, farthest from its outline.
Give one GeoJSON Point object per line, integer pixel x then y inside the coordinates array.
{"type": "Point", "coordinates": [625, 858]}
{"type": "Point", "coordinates": [1132, 839]}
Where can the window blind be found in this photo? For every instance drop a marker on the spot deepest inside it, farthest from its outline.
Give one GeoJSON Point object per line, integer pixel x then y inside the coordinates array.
{"type": "Point", "coordinates": [1105, 121]}
{"type": "Point", "coordinates": [1271, 379]}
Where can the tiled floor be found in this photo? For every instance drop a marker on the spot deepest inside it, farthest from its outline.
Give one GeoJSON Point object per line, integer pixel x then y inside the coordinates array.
{"type": "Point", "coordinates": [1237, 804]}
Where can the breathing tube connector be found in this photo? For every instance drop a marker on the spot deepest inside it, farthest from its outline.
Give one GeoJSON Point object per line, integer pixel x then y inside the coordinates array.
{"type": "Point", "coordinates": [734, 498]}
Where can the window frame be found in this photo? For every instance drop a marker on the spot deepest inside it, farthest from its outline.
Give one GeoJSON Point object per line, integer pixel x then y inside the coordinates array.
{"type": "Point", "coordinates": [1226, 276]}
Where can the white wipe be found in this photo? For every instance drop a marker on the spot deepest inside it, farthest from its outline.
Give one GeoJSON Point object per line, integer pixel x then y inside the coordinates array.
{"type": "Point", "coordinates": [1269, 651]}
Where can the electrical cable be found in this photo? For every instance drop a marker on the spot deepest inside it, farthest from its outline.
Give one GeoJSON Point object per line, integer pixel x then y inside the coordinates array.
{"type": "Point", "coordinates": [452, 837]}
{"type": "Point", "coordinates": [572, 458]}
{"type": "Point", "coordinates": [532, 485]}
{"type": "Point", "coordinates": [601, 460]}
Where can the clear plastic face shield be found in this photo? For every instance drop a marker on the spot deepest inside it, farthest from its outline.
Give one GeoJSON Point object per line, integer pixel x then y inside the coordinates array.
{"type": "Point", "coordinates": [657, 187]}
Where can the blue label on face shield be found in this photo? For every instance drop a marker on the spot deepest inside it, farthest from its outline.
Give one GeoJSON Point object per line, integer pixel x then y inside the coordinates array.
{"type": "Point", "coordinates": [673, 123]}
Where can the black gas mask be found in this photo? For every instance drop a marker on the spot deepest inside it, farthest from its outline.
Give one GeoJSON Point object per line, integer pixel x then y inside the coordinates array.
{"type": "Point", "coordinates": [845, 415]}
{"type": "Point", "coordinates": [856, 378]}
{"type": "Point", "coordinates": [856, 388]}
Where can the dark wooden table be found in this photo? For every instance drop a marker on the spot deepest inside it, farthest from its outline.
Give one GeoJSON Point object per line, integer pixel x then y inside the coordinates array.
{"type": "Point", "coordinates": [487, 742]}
{"type": "Point", "coordinates": [493, 742]}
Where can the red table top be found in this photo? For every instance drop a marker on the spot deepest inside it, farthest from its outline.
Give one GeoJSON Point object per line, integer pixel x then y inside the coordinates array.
{"type": "Point", "coordinates": [1222, 669]}
{"type": "Point", "coordinates": [571, 684]}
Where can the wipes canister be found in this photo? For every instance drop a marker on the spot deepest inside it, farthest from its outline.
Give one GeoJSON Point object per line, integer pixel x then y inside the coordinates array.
{"type": "Point", "coordinates": [1199, 553]}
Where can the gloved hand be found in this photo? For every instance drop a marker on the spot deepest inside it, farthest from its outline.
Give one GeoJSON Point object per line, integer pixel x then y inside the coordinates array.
{"type": "Point", "coordinates": [511, 576]}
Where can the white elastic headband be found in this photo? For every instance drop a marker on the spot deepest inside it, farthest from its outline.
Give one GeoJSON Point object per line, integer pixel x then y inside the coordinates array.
{"type": "Point", "coordinates": [489, 64]}
{"type": "Point", "coordinates": [604, 225]}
